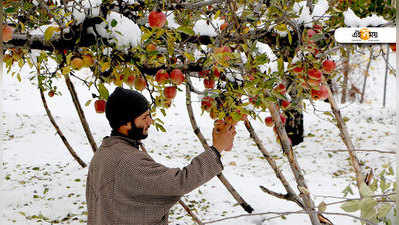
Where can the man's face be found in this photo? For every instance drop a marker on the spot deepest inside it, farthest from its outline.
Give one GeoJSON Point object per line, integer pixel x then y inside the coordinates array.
{"type": "Point", "coordinates": [144, 121]}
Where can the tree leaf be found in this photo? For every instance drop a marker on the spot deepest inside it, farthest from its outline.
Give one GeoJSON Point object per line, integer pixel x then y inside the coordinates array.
{"type": "Point", "coordinates": [186, 29]}
{"type": "Point", "coordinates": [114, 23]}
{"type": "Point", "coordinates": [365, 190]}
{"type": "Point", "coordinates": [48, 34]}
{"type": "Point", "coordinates": [351, 206]}
{"type": "Point", "coordinates": [384, 210]}
{"type": "Point", "coordinates": [103, 91]}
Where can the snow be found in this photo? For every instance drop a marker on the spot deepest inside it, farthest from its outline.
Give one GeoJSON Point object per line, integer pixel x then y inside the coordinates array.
{"type": "Point", "coordinates": [319, 12]}
{"type": "Point", "coordinates": [90, 8]}
{"type": "Point", "coordinates": [201, 27]}
{"type": "Point", "coordinates": [352, 20]}
{"type": "Point", "coordinates": [35, 159]}
{"type": "Point", "coordinates": [125, 33]}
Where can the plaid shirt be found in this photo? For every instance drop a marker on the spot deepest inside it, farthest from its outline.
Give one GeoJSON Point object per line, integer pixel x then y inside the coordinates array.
{"type": "Point", "coordinates": [126, 186]}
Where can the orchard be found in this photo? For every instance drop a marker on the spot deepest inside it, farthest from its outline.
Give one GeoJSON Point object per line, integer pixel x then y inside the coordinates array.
{"type": "Point", "coordinates": [250, 61]}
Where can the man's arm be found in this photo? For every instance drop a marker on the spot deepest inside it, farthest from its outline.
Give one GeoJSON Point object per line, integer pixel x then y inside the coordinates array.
{"type": "Point", "coordinates": [140, 174]}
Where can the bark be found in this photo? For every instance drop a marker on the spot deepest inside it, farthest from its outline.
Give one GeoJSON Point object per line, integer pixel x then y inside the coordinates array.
{"type": "Point", "coordinates": [201, 138]}
{"type": "Point", "coordinates": [386, 78]}
{"type": "Point", "coordinates": [346, 79]}
{"type": "Point", "coordinates": [195, 218]}
{"type": "Point", "coordinates": [296, 170]}
{"type": "Point", "coordinates": [345, 137]}
{"type": "Point", "coordinates": [81, 114]}
{"type": "Point", "coordinates": [59, 132]}
{"type": "Point", "coordinates": [366, 75]}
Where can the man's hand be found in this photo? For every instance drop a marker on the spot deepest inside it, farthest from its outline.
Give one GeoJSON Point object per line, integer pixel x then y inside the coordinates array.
{"type": "Point", "coordinates": [223, 135]}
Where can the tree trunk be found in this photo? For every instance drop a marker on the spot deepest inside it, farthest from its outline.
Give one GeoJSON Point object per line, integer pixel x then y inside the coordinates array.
{"type": "Point", "coordinates": [366, 75]}
{"type": "Point", "coordinates": [386, 78]}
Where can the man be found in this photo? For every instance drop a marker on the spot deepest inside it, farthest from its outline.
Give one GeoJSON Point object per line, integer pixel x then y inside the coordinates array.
{"type": "Point", "coordinates": [125, 185]}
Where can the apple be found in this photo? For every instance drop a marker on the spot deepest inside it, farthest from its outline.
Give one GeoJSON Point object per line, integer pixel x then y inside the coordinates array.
{"type": "Point", "coordinates": [77, 63]}
{"type": "Point", "coordinates": [99, 105]}
{"type": "Point", "coordinates": [151, 47]}
{"type": "Point", "coordinates": [250, 77]}
{"type": "Point", "coordinates": [314, 83]}
{"type": "Point", "coordinates": [314, 74]}
{"type": "Point", "coordinates": [139, 83]}
{"type": "Point", "coordinates": [177, 76]}
{"type": "Point", "coordinates": [8, 31]}
{"type": "Point", "coordinates": [206, 103]}
{"type": "Point", "coordinates": [170, 92]}
{"type": "Point", "coordinates": [130, 80]}
{"type": "Point", "coordinates": [393, 47]}
{"type": "Point", "coordinates": [88, 60]}
{"type": "Point", "coordinates": [51, 93]}
{"type": "Point", "coordinates": [216, 72]}
{"type": "Point", "coordinates": [223, 49]}
{"type": "Point", "coordinates": [320, 94]}
{"type": "Point", "coordinates": [310, 33]}
{"type": "Point", "coordinates": [209, 83]}
{"type": "Point", "coordinates": [157, 19]}
{"type": "Point", "coordinates": [223, 26]}
{"type": "Point", "coordinates": [285, 104]}
{"type": "Point", "coordinates": [317, 28]}
{"type": "Point", "coordinates": [162, 76]}
{"type": "Point", "coordinates": [204, 73]}
{"type": "Point", "coordinates": [269, 121]}
{"type": "Point", "coordinates": [328, 65]}
{"type": "Point", "coordinates": [281, 89]}
{"type": "Point", "coordinates": [297, 69]}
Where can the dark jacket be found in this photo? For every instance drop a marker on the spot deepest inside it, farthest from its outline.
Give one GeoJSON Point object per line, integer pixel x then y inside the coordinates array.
{"type": "Point", "coordinates": [126, 186]}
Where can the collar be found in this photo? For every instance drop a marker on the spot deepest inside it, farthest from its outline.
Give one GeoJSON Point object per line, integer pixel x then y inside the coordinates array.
{"type": "Point", "coordinates": [134, 143]}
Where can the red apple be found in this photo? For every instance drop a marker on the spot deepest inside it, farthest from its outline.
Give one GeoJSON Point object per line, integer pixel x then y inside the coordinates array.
{"type": "Point", "coordinates": [328, 65]}
{"type": "Point", "coordinates": [157, 19]}
{"type": "Point", "coordinates": [317, 28]}
{"type": "Point", "coordinates": [314, 83]}
{"type": "Point", "coordinates": [281, 89]}
{"type": "Point", "coordinates": [297, 69]}
{"type": "Point", "coordinates": [285, 104]}
{"type": "Point", "coordinates": [139, 83]}
{"type": "Point", "coordinates": [209, 83]}
{"type": "Point", "coordinates": [314, 74]}
{"type": "Point", "coordinates": [223, 49]}
{"type": "Point", "coordinates": [162, 76]}
{"type": "Point", "coordinates": [393, 47]}
{"type": "Point", "coordinates": [310, 33]}
{"type": "Point", "coordinates": [99, 105]}
{"type": "Point", "coordinates": [269, 121]}
{"type": "Point", "coordinates": [216, 72]}
{"type": "Point", "coordinates": [206, 103]}
{"type": "Point", "coordinates": [323, 92]}
{"type": "Point", "coordinates": [177, 76]}
{"type": "Point", "coordinates": [51, 93]}
{"type": "Point", "coordinates": [130, 80]}
{"type": "Point", "coordinates": [170, 92]}
{"type": "Point", "coordinates": [223, 26]}
{"type": "Point", "coordinates": [7, 33]}
{"type": "Point", "coordinates": [204, 73]}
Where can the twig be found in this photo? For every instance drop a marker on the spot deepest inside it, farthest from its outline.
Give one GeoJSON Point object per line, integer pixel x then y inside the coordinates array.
{"type": "Point", "coordinates": [363, 150]}
{"type": "Point", "coordinates": [80, 112]}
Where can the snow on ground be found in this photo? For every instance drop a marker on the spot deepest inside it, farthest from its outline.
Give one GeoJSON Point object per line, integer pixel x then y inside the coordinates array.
{"type": "Point", "coordinates": [42, 184]}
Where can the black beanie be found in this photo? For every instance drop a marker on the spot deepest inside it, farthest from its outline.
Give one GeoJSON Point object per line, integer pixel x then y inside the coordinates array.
{"type": "Point", "coordinates": [124, 105]}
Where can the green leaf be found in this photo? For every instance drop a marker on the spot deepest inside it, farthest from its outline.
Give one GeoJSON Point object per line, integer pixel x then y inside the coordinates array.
{"type": "Point", "coordinates": [9, 10]}
{"type": "Point", "coordinates": [88, 103]}
{"type": "Point", "coordinates": [103, 91]}
{"type": "Point", "coordinates": [384, 210]}
{"type": "Point", "coordinates": [365, 190]}
{"type": "Point", "coordinates": [322, 206]}
{"type": "Point", "coordinates": [114, 23]}
{"type": "Point", "coordinates": [186, 29]}
{"type": "Point", "coordinates": [351, 206]}
{"type": "Point", "coordinates": [48, 34]}
{"type": "Point", "coordinates": [289, 38]}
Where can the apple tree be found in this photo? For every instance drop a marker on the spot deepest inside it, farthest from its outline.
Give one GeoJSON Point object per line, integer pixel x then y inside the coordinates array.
{"type": "Point", "coordinates": [251, 56]}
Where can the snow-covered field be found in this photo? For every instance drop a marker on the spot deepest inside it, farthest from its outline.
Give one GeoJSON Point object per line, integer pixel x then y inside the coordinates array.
{"type": "Point", "coordinates": [40, 183]}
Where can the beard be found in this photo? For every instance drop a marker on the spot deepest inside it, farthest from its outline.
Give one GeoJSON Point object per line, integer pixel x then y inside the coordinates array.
{"type": "Point", "coordinates": [136, 133]}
